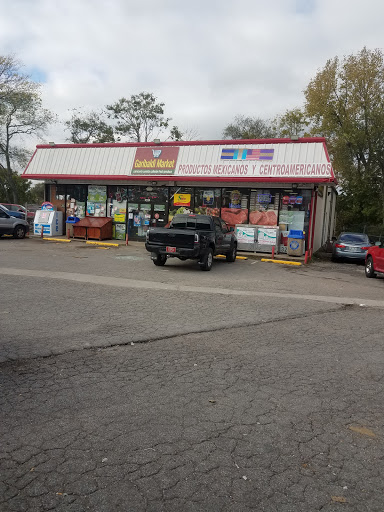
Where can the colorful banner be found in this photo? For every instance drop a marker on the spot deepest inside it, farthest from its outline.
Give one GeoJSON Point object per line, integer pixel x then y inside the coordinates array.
{"type": "Point", "coordinates": [247, 154]}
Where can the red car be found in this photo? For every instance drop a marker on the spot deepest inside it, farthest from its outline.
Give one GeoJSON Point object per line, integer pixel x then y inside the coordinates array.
{"type": "Point", "coordinates": [20, 208]}
{"type": "Point", "coordinates": [374, 260]}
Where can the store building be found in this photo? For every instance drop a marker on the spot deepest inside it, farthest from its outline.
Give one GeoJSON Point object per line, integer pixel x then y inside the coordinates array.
{"type": "Point", "coordinates": [277, 183]}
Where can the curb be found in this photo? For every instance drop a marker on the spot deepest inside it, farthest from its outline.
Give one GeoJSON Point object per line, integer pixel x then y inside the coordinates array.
{"type": "Point", "coordinates": [56, 239]}
{"type": "Point", "coordinates": [237, 257]}
{"type": "Point", "coordinates": [102, 243]}
{"type": "Point", "coordinates": [282, 262]}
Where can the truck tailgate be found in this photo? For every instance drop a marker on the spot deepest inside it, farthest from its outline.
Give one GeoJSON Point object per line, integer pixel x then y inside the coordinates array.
{"type": "Point", "coordinates": [183, 238]}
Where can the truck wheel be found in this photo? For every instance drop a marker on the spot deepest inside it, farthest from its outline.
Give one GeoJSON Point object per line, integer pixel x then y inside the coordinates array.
{"type": "Point", "coordinates": [231, 255]}
{"type": "Point", "coordinates": [369, 270]}
{"type": "Point", "coordinates": [19, 232]}
{"type": "Point", "coordinates": [207, 260]}
{"type": "Point", "coordinates": [160, 260]}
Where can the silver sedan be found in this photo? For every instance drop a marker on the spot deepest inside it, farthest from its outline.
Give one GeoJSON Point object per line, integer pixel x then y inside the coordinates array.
{"type": "Point", "coordinates": [352, 246]}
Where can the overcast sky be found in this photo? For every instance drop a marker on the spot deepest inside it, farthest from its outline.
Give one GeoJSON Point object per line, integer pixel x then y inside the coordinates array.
{"type": "Point", "coordinates": [207, 60]}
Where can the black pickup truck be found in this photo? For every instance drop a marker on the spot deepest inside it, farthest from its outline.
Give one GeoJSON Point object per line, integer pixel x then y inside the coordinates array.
{"type": "Point", "coordinates": [197, 237]}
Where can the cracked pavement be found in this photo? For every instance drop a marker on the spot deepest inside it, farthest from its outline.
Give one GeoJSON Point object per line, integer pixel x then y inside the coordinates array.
{"type": "Point", "coordinates": [116, 399]}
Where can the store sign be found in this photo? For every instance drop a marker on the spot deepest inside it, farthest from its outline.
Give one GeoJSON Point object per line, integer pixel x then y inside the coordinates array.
{"type": "Point", "coordinates": [155, 162]}
{"type": "Point", "coordinates": [47, 206]}
{"type": "Point", "coordinates": [258, 163]}
{"type": "Point", "coordinates": [294, 171]}
{"type": "Point", "coordinates": [182, 200]}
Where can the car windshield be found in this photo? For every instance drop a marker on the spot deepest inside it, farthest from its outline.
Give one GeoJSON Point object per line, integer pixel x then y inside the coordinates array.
{"type": "Point", "coordinates": [354, 238]}
{"type": "Point", "coordinates": [191, 222]}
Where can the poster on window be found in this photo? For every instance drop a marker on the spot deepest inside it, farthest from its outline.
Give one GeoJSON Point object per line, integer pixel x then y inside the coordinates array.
{"type": "Point", "coordinates": [182, 200]}
{"type": "Point", "coordinates": [208, 197]}
{"type": "Point", "coordinates": [97, 194]}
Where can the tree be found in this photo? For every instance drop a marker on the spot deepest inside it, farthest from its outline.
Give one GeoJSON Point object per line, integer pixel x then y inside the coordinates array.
{"type": "Point", "coordinates": [21, 114]}
{"type": "Point", "coordinates": [139, 117]}
{"type": "Point", "coordinates": [345, 103]}
{"type": "Point", "coordinates": [291, 123]}
{"type": "Point", "coordinates": [88, 128]}
{"type": "Point", "coordinates": [248, 128]}
{"type": "Point", "coordinates": [189, 133]}
{"type": "Point", "coordinates": [36, 193]}
{"type": "Point", "coordinates": [26, 193]}
{"type": "Point", "coordinates": [176, 134]}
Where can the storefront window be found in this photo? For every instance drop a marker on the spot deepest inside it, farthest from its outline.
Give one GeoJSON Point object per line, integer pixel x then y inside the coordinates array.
{"type": "Point", "coordinates": [147, 207]}
{"type": "Point", "coordinates": [235, 206]}
{"type": "Point", "coordinates": [207, 201]}
{"type": "Point", "coordinates": [117, 209]}
{"type": "Point", "coordinates": [75, 200]}
{"type": "Point", "coordinates": [264, 207]}
{"type": "Point", "coordinates": [294, 214]}
{"type": "Point", "coordinates": [96, 201]}
{"type": "Point", "coordinates": [181, 200]}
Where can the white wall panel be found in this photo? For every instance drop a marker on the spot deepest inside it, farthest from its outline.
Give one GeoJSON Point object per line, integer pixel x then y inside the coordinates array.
{"type": "Point", "coordinates": [118, 160]}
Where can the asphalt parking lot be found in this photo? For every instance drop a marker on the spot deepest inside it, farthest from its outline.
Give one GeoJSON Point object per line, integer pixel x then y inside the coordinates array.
{"type": "Point", "coordinates": [130, 387]}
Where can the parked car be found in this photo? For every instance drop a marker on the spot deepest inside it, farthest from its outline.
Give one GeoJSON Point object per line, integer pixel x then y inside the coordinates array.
{"type": "Point", "coordinates": [31, 211]}
{"type": "Point", "coordinates": [352, 246]}
{"type": "Point", "coordinates": [197, 237]}
{"type": "Point", "coordinates": [16, 210]}
{"type": "Point", "coordinates": [11, 225]}
{"type": "Point", "coordinates": [374, 261]}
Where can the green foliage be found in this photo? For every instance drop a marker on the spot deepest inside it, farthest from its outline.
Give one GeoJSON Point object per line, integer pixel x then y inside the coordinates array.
{"type": "Point", "coordinates": [24, 190]}
{"type": "Point", "coordinates": [36, 193]}
{"type": "Point", "coordinates": [176, 134]}
{"type": "Point", "coordinates": [248, 128]}
{"type": "Point", "coordinates": [345, 103]}
{"type": "Point", "coordinates": [88, 128]}
{"type": "Point", "coordinates": [139, 117]}
{"type": "Point", "coordinates": [292, 123]}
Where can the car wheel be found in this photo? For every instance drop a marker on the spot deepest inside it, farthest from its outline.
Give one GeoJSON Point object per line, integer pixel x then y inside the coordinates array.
{"type": "Point", "coordinates": [160, 260]}
{"type": "Point", "coordinates": [369, 270]}
{"type": "Point", "coordinates": [231, 255]}
{"type": "Point", "coordinates": [19, 232]}
{"type": "Point", "coordinates": [207, 260]}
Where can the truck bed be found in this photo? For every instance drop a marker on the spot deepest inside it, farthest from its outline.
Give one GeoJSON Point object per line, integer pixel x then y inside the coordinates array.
{"type": "Point", "coordinates": [182, 238]}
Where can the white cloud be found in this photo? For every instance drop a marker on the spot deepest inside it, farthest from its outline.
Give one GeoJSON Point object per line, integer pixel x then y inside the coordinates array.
{"type": "Point", "coordinates": [206, 60]}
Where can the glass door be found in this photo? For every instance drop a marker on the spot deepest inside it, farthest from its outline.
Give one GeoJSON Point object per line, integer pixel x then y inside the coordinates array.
{"type": "Point", "coordinates": [158, 215]}
{"type": "Point", "coordinates": [147, 207]}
